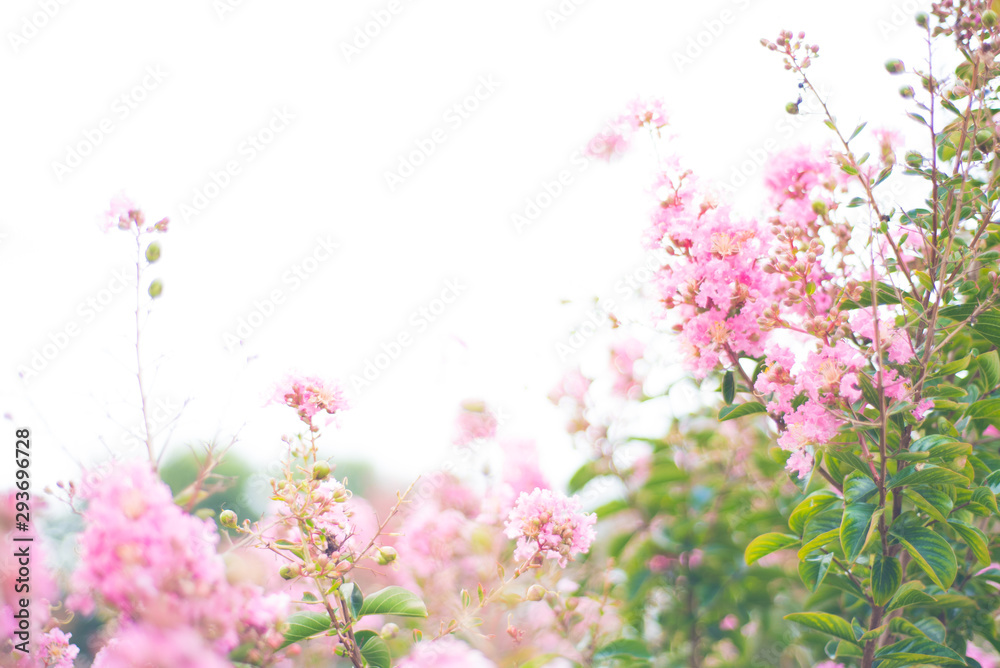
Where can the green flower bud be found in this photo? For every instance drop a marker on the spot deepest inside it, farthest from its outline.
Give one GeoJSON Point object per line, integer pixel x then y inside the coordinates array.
{"type": "Point", "coordinates": [389, 631]}
{"type": "Point", "coordinates": [922, 19]}
{"type": "Point", "coordinates": [204, 513]}
{"type": "Point", "coordinates": [914, 159]}
{"type": "Point", "coordinates": [819, 208]}
{"type": "Point", "coordinates": [895, 66]}
{"type": "Point", "coordinates": [535, 593]}
{"type": "Point", "coordinates": [153, 252]}
{"type": "Point", "coordinates": [321, 470]}
{"type": "Point", "coordinates": [989, 18]}
{"type": "Point", "coordinates": [288, 572]}
{"type": "Point", "coordinates": [906, 92]}
{"type": "Point", "coordinates": [984, 138]}
{"type": "Point", "coordinates": [386, 555]}
{"type": "Point", "coordinates": [156, 288]}
{"type": "Point", "coordinates": [792, 108]}
{"type": "Point", "coordinates": [228, 519]}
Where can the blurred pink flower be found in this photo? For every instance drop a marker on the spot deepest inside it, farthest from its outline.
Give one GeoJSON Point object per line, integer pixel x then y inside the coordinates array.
{"type": "Point", "coordinates": [729, 623]}
{"type": "Point", "coordinates": [55, 650]}
{"type": "Point", "coordinates": [446, 652]}
{"type": "Point", "coordinates": [309, 395]}
{"type": "Point", "coordinates": [475, 422]}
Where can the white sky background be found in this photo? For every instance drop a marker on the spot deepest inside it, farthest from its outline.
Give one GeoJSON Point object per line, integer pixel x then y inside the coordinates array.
{"type": "Point", "coordinates": [323, 176]}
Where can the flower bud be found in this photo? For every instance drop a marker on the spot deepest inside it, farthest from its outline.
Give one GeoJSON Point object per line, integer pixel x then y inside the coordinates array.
{"type": "Point", "coordinates": [288, 572]}
{"type": "Point", "coordinates": [819, 208]}
{"type": "Point", "coordinates": [906, 92]}
{"type": "Point", "coordinates": [895, 66]}
{"type": "Point", "coordinates": [156, 288]}
{"type": "Point", "coordinates": [535, 593]}
{"type": "Point", "coordinates": [386, 555]}
{"type": "Point", "coordinates": [228, 519]}
{"type": "Point", "coordinates": [153, 252]}
{"type": "Point", "coordinates": [792, 108]}
{"type": "Point", "coordinates": [921, 19]}
{"type": "Point", "coordinates": [321, 470]}
{"type": "Point", "coordinates": [388, 631]}
{"type": "Point", "coordinates": [989, 18]}
{"type": "Point", "coordinates": [914, 159]}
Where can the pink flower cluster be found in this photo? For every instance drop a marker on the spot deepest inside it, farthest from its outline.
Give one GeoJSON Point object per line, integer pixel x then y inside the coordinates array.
{"type": "Point", "coordinates": [309, 395]}
{"type": "Point", "coordinates": [624, 355]}
{"type": "Point", "coordinates": [549, 525]}
{"type": "Point", "coordinates": [615, 139]}
{"type": "Point", "coordinates": [55, 650]}
{"type": "Point", "coordinates": [157, 566]}
{"type": "Point", "coordinates": [446, 652]}
{"type": "Point", "coordinates": [476, 422]}
{"type": "Point", "coordinates": [714, 281]}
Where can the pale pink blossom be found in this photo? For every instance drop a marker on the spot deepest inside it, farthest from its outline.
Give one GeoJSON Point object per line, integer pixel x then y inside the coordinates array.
{"type": "Point", "coordinates": [550, 525]}
{"type": "Point", "coordinates": [921, 410]}
{"type": "Point", "coordinates": [446, 652]}
{"type": "Point", "coordinates": [729, 623]}
{"type": "Point", "coordinates": [55, 650]}
{"type": "Point", "coordinates": [309, 395]}
{"type": "Point", "coordinates": [476, 422]}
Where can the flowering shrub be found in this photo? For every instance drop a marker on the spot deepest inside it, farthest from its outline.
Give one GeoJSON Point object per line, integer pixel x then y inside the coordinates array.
{"type": "Point", "coordinates": [834, 508]}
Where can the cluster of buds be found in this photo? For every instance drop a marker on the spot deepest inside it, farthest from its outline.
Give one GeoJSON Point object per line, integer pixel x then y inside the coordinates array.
{"type": "Point", "coordinates": [792, 45]}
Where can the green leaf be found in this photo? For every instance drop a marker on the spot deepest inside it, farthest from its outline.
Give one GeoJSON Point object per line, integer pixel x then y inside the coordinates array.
{"type": "Point", "coordinates": [975, 539]}
{"type": "Point", "coordinates": [814, 571]}
{"type": "Point", "coordinates": [857, 130]}
{"type": "Point", "coordinates": [353, 596]}
{"type": "Point", "coordinates": [917, 651]}
{"type": "Point", "coordinates": [854, 528]}
{"type": "Point", "coordinates": [906, 628]}
{"type": "Point", "coordinates": [824, 623]}
{"type": "Point", "coordinates": [909, 594]}
{"type": "Point", "coordinates": [761, 546]}
{"type": "Point", "coordinates": [988, 326]}
{"type": "Point", "coordinates": [822, 540]}
{"type": "Point", "coordinates": [928, 442]}
{"type": "Point", "coordinates": [303, 625]}
{"type": "Point", "coordinates": [729, 387]}
{"type": "Point", "coordinates": [583, 475]}
{"type": "Point", "coordinates": [623, 647]}
{"type": "Point", "coordinates": [373, 649]}
{"type": "Point", "coordinates": [929, 475]}
{"type": "Point", "coordinates": [394, 601]}
{"type": "Point", "coordinates": [933, 502]}
{"type": "Point", "coordinates": [932, 552]}
{"type": "Point", "coordinates": [858, 488]}
{"type": "Point", "coordinates": [815, 503]}
{"type": "Point", "coordinates": [739, 410]}
{"type": "Point", "coordinates": [984, 409]}
{"type": "Point", "coordinates": [992, 481]}
{"type": "Point", "coordinates": [984, 496]}
{"type": "Point", "coordinates": [989, 366]}
{"type": "Point", "coordinates": [886, 577]}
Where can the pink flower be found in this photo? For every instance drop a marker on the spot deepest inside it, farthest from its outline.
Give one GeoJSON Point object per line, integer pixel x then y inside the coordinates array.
{"type": "Point", "coordinates": [810, 425]}
{"type": "Point", "coordinates": [551, 525]}
{"type": "Point", "coordinates": [991, 432]}
{"type": "Point", "coordinates": [309, 395]}
{"type": "Point", "coordinates": [729, 623]}
{"type": "Point", "coordinates": [829, 664]}
{"type": "Point", "coordinates": [476, 422]}
{"type": "Point", "coordinates": [624, 355]}
{"type": "Point", "coordinates": [607, 145]}
{"type": "Point", "coordinates": [119, 214]}
{"type": "Point", "coordinates": [985, 659]}
{"type": "Point", "coordinates": [55, 651]}
{"type": "Point", "coordinates": [923, 408]}
{"type": "Point", "coordinates": [154, 647]}
{"type": "Point", "coordinates": [446, 652]}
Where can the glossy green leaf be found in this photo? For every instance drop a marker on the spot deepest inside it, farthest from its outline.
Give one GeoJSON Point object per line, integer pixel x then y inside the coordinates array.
{"type": "Point", "coordinates": [303, 625]}
{"type": "Point", "coordinates": [928, 475]}
{"type": "Point", "coordinates": [373, 649]}
{"type": "Point", "coordinates": [933, 502]}
{"type": "Point", "coordinates": [393, 601]}
{"type": "Point", "coordinates": [984, 496]}
{"type": "Point", "coordinates": [353, 596]}
{"type": "Point", "coordinates": [905, 628]}
{"type": "Point", "coordinates": [739, 410]}
{"type": "Point", "coordinates": [822, 540]}
{"type": "Point", "coordinates": [911, 593]}
{"type": "Point", "coordinates": [824, 623]}
{"type": "Point", "coordinates": [623, 647]}
{"type": "Point", "coordinates": [729, 387]}
{"type": "Point", "coordinates": [854, 529]}
{"type": "Point", "coordinates": [813, 504]}
{"type": "Point", "coordinates": [814, 571]}
{"type": "Point", "coordinates": [887, 574]}
{"type": "Point", "coordinates": [989, 366]}
{"type": "Point", "coordinates": [987, 325]}
{"type": "Point", "coordinates": [761, 546]}
{"type": "Point", "coordinates": [975, 539]}
{"type": "Point", "coordinates": [932, 552]}
{"type": "Point", "coordinates": [917, 651]}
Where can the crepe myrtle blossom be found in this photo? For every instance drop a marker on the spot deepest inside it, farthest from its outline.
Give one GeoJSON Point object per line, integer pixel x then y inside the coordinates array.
{"type": "Point", "coordinates": [550, 525]}
{"type": "Point", "coordinates": [124, 214]}
{"type": "Point", "coordinates": [446, 652]}
{"type": "Point", "coordinates": [830, 664]}
{"type": "Point", "coordinates": [309, 395]}
{"type": "Point", "coordinates": [55, 650]}
{"type": "Point", "coordinates": [154, 647]}
{"type": "Point", "coordinates": [476, 422]}
{"type": "Point", "coordinates": [614, 140]}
